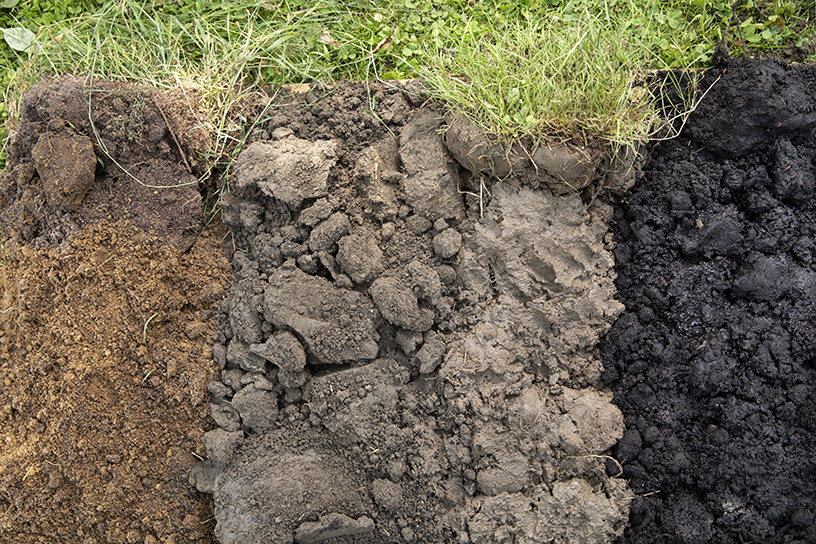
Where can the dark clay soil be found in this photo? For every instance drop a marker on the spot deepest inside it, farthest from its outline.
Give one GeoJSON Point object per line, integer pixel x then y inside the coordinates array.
{"type": "Point", "coordinates": [713, 362]}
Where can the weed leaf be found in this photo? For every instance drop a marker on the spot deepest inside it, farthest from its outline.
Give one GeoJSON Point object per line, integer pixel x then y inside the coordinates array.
{"type": "Point", "coordinates": [18, 38]}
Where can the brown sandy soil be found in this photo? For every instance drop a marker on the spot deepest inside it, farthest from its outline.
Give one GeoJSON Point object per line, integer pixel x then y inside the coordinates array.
{"type": "Point", "coordinates": [105, 338]}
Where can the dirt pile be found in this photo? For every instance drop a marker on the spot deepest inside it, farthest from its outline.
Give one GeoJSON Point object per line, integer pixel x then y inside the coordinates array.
{"type": "Point", "coordinates": [409, 351]}
{"type": "Point", "coordinates": [106, 320]}
{"type": "Point", "coordinates": [396, 366]}
{"type": "Point", "coordinates": [713, 361]}
{"type": "Point", "coordinates": [86, 151]}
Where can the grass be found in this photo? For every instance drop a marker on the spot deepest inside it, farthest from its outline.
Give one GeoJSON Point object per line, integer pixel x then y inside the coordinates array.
{"type": "Point", "coordinates": [559, 78]}
{"type": "Point", "coordinates": [540, 70]}
{"type": "Point", "coordinates": [582, 72]}
{"type": "Point", "coordinates": [127, 41]}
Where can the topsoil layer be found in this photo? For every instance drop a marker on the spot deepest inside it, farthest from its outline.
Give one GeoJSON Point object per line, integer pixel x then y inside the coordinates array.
{"type": "Point", "coordinates": [406, 351]}
{"type": "Point", "coordinates": [107, 292]}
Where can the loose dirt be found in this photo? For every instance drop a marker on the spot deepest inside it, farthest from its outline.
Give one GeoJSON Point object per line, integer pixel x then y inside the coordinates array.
{"type": "Point", "coordinates": [106, 317]}
{"type": "Point", "coordinates": [713, 361]}
{"type": "Point", "coordinates": [406, 349]}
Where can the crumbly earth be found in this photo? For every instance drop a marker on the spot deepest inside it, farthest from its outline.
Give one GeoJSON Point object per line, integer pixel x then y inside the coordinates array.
{"type": "Point", "coordinates": [107, 292]}
{"type": "Point", "coordinates": [99, 425]}
{"type": "Point", "coordinates": [404, 351]}
{"type": "Point", "coordinates": [713, 362]}
{"type": "Point", "coordinates": [402, 360]}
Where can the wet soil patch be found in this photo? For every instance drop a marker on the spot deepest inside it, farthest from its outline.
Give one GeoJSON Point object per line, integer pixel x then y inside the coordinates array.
{"type": "Point", "coordinates": [712, 362]}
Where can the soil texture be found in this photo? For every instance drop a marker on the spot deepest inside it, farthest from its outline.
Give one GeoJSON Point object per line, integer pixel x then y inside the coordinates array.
{"type": "Point", "coordinates": [107, 294]}
{"type": "Point", "coordinates": [713, 361]}
{"type": "Point", "coordinates": [404, 360]}
{"type": "Point", "coordinates": [86, 151]}
{"type": "Point", "coordinates": [406, 349]}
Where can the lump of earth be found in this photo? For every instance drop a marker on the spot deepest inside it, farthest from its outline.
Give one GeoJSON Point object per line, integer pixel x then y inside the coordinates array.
{"type": "Point", "coordinates": [468, 145]}
{"type": "Point", "coordinates": [290, 169]}
{"type": "Point", "coordinates": [749, 107]}
{"type": "Point", "coordinates": [398, 304]}
{"type": "Point", "coordinates": [333, 525]}
{"type": "Point", "coordinates": [360, 257]}
{"type": "Point", "coordinates": [447, 243]}
{"type": "Point", "coordinates": [275, 481]}
{"type": "Point", "coordinates": [283, 350]}
{"type": "Point", "coordinates": [239, 354]}
{"type": "Point", "coordinates": [335, 398]}
{"type": "Point", "coordinates": [225, 416]}
{"type": "Point", "coordinates": [425, 281]}
{"type": "Point", "coordinates": [431, 187]}
{"type": "Point", "coordinates": [244, 317]}
{"type": "Point", "coordinates": [65, 163]}
{"type": "Point", "coordinates": [329, 232]}
{"type": "Point", "coordinates": [718, 233]}
{"type": "Point", "coordinates": [374, 175]}
{"type": "Point", "coordinates": [387, 494]}
{"type": "Point", "coordinates": [792, 174]}
{"type": "Point", "coordinates": [431, 353]}
{"type": "Point", "coordinates": [571, 166]}
{"type": "Point", "coordinates": [258, 408]}
{"type": "Point", "coordinates": [573, 511]}
{"type": "Point", "coordinates": [559, 167]}
{"type": "Point", "coordinates": [316, 213]}
{"type": "Point", "coordinates": [509, 474]}
{"type": "Point", "coordinates": [336, 324]}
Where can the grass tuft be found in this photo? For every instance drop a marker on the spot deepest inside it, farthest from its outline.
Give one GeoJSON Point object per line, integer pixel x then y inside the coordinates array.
{"type": "Point", "coordinates": [572, 69]}
{"type": "Point", "coordinates": [225, 51]}
{"type": "Point", "coordinates": [574, 76]}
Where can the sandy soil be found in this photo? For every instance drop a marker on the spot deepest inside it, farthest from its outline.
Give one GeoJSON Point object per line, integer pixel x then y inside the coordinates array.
{"type": "Point", "coordinates": [108, 289]}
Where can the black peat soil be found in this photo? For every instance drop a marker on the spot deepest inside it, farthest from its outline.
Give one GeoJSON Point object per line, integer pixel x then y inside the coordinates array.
{"type": "Point", "coordinates": [712, 362]}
